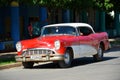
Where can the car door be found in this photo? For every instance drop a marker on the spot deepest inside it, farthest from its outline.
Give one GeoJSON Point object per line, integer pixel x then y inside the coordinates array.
{"type": "Point", "coordinates": [86, 41]}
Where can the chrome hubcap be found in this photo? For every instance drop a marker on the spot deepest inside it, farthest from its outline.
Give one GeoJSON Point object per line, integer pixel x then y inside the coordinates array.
{"type": "Point", "coordinates": [67, 58]}
{"type": "Point", "coordinates": [99, 52]}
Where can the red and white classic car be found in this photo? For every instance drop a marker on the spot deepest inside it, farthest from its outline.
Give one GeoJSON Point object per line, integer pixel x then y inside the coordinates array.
{"type": "Point", "coordinates": [62, 43]}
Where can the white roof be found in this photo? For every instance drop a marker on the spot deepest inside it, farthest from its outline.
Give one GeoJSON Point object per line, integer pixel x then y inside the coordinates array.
{"type": "Point", "coordinates": [70, 24]}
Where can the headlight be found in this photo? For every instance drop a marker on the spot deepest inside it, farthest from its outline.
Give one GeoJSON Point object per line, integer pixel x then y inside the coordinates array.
{"type": "Point", "coordinates": [57, 44]}
{"type": "Point", "coordinates": [18, 46]}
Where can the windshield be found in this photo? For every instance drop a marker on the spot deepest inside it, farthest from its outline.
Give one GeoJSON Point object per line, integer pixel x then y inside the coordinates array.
{"type": "Point", "coordinates": [57, 30]}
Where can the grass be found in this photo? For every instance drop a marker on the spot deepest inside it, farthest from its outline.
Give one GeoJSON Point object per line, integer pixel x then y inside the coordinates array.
{"type": "Point", "coordinates": [5, 61]}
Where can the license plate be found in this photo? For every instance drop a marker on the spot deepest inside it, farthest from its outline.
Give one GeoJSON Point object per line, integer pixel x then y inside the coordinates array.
{"type": "Point", "coordinates": [35, 57]}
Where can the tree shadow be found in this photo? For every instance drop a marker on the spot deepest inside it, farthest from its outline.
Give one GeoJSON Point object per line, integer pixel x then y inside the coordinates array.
{"type": "Point", "coordinates": [75, 63]}
{"type": "Point", "coordinates": [88, 60]}
{"type": "Point", "coordinates": [47, 66]}
{"type": "Point", "coordinates": [113, 49]}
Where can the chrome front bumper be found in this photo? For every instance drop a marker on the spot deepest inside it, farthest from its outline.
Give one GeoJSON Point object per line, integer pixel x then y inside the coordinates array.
{"type": "Point", "coordinates": [39, 58]}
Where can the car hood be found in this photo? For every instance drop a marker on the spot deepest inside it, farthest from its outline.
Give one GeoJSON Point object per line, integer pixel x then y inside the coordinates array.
{"type": "Point", "coordinates": [45, 41]}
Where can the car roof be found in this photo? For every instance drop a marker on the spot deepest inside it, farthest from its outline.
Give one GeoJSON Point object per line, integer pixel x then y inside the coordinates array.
{"type": "Point", "coordinates": [70, 24]}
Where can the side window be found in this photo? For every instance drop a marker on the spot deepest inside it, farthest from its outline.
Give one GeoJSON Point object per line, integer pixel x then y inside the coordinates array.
{"type": "Point", "coordinates": [80, 33]}
{"type": "Point", "coordinates": [84, 30]}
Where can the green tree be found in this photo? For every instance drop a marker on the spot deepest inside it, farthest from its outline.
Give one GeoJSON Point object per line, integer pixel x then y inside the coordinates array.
{"type": "Point", "coordinates": [69, 4]}
{"type": "Point", "coordinates": [106, 5]}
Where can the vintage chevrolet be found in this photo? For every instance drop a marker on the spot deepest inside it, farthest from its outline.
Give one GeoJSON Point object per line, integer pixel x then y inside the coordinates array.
{"type": "Point", "coordinates": [62, 43]}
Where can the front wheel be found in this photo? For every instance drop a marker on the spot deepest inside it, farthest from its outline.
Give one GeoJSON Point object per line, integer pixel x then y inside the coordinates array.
{"type": "Point", "coordinates": [99, 55]}
{"type": "Point", "coordinates": [28, 64]}
{"type": "Point", "coordinates": [67, 60]}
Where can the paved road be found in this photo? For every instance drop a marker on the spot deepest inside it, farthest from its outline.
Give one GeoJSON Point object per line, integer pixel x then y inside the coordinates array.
{"type": "Point", "coordinates": [83, 69]}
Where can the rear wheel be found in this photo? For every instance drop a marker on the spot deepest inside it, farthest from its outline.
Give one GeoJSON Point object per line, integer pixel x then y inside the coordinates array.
{"type": "Point", "coordinates": [67, 59]}
{"type": "Point", "coordinates": [99, 55]}
{"type": "Point", "coordinates": [28, 64]}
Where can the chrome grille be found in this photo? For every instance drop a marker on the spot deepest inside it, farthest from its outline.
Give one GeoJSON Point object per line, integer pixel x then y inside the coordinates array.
{"type": "Point", "coordinates": [37, 52]}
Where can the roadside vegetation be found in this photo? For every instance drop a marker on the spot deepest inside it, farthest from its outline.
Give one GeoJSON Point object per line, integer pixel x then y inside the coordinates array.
{"type": "Point", "coordinates": [7, 59]}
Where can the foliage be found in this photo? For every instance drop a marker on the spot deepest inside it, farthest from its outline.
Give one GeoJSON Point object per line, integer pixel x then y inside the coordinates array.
{"type": "Point", "coordinates": [71, 4]}
{"type": "Point", "coordinates": [106, 5]}
{"type": "Point", "coordinates": [4, 61]}
{"type": "Point", "coordinates": [103, 4]}
{"type": "Point", "coordinates": [4, 2]}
